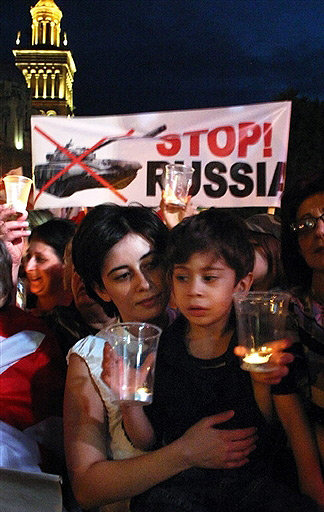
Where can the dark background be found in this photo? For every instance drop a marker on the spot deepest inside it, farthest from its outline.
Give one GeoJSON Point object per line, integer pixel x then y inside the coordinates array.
{"type": "Point", "coordinates": [147, 55]}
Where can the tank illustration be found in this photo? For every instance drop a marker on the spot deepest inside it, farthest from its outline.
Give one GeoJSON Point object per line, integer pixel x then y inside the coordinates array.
{"type": "Point", "coordinates": [118, 173]}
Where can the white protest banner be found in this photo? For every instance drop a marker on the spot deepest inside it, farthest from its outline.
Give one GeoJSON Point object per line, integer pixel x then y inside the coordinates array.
{"type": "Point", "coordinates": [238, 153]}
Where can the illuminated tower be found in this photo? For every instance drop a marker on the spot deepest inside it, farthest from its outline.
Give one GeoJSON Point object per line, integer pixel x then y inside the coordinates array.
{"type": "Point", "coordinates": [47, 65]}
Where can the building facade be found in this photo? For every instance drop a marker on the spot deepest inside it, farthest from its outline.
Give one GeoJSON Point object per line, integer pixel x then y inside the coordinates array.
{"type": "Point", "coordinates": [46, 63]}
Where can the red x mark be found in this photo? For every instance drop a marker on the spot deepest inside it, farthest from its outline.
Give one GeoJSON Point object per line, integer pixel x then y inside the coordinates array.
{"type": "Point", "coordinates": [78, 160]}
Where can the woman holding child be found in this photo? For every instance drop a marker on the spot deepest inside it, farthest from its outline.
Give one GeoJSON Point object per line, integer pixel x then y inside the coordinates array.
{"type": "Point", "coordinates": [97, 479]}
{"type": "Point", "coordinates": [119, 254]}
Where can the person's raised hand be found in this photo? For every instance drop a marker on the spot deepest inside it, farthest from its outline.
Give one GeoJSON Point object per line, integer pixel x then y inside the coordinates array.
{"type": "Point", "coordinates": [13, 232]}
{"type": "Point", "coordinates": [208, 447]}
{"type": "Point", "coordinates": [173, 214]}
{"type": "Point", "coordinates": [279, 358]}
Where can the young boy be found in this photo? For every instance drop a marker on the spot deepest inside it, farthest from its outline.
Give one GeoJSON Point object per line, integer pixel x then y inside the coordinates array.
{"type": "Point", "coordinates": [197, 375]}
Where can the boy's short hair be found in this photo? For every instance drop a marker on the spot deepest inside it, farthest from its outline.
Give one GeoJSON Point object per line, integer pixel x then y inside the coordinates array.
{"type": "Point", "coordinates": [215, 230]}
{"type": "Point", "coordinates": [6, 284]}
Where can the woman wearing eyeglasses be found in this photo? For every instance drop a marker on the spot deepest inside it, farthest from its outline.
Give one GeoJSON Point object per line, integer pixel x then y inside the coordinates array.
{"type": "Point", "coordinates": [303, 258]}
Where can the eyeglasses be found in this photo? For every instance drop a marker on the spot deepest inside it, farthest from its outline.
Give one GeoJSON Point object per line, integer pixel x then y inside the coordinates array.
{"type": "Point", "coordinates": [306, 225]}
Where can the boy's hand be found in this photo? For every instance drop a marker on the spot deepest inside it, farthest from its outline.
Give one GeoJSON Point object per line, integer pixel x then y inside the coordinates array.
{"type": "Point", "coordinates": [279, 358]}
{"type": "Point", "coordinates": [207, 447]}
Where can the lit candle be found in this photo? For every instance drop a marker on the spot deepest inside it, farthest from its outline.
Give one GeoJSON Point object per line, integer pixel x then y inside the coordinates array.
{"type": "Point", "coordinates": [260, 356]}
{"type": "Point", "coordinates": [142, 394]}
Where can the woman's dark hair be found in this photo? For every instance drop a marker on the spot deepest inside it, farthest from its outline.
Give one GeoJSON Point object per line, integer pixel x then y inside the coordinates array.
{"type": "Point", "coordinates": [56, 233]}
{"type": "Point", "coordinates": [101, 229]}
{"type": "Point", "coordinates": [297, 270]}
{"type": "Point", "coordinates": [6, 284]}
{"type": "Point", "coordinates": [213, 230]}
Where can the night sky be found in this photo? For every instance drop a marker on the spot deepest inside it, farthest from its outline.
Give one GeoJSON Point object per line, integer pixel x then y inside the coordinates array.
{"type": "Point", "coordinates": [150, 55]}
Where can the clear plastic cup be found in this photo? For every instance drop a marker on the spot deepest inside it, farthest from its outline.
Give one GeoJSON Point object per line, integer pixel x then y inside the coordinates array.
{"type": "Point", "coordinates": [132, 364]}
{"type": "Point", "coordinates": [177, 180]}
{"type": "Point", "coordinates": [261, 319]}
{"type": "Point", "coordinates": [17, 191]}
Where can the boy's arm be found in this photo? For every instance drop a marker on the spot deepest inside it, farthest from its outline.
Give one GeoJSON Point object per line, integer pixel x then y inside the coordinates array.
{"type": "Point", "coordinates": [302, 442]}
{"type": "Point", "coordinates": [263, 397]}
{"type": "Point", "coordinates": [138, 427]}
{"type": "Point", "coordinates": [262, 381]}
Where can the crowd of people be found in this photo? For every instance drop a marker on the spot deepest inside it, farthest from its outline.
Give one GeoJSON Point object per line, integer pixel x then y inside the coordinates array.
{"type": "Point", "coordinates": [216, 437]}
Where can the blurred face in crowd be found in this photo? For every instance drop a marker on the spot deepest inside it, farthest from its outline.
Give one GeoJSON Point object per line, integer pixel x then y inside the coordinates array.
{"type": "Point", "coordinates": [311, 240]}
{"type": "Point", "coordinates": [80, 296]}
{"type": "Point", "coordinates": [260, 270]}
{"type": "Point", "coordinates": [133, 279]}
{"type": "Point", "coordinates": [89, 309]}
{"type": "Point", "coordinates": [68, 266]}
{"type": "Point", "coordinates": [44, 269]}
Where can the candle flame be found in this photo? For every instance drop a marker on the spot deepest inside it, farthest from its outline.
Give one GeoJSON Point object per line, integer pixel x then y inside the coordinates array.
{"type": "Point", "coordinates": [259, 356]}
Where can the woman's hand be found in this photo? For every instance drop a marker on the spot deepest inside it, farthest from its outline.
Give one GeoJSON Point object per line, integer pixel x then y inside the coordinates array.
{"type": "Point", "coordinates": [279, 358]}
{"type": "Point", "coordinates": [208, 447]}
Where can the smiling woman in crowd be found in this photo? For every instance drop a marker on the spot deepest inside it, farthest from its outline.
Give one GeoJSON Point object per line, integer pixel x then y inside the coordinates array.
{"type": "Point", "coordinates": [44, 265]}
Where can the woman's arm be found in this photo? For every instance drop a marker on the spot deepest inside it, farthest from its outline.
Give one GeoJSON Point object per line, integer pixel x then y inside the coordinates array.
{"type": "Point", "coordinates": [302, 442]}
{"type": "Point", "coordinates": [97, 481]}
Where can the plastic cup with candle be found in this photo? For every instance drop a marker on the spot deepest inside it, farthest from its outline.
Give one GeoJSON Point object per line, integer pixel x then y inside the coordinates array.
{"type": "Point", "coordinates": [134, 346]}
{"type": "Point", "coordinates": [261, 319]}
{"type": "Point", "coordinates": [177, 179]}
{"type": "Point", "coordinates": [17, 191]}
